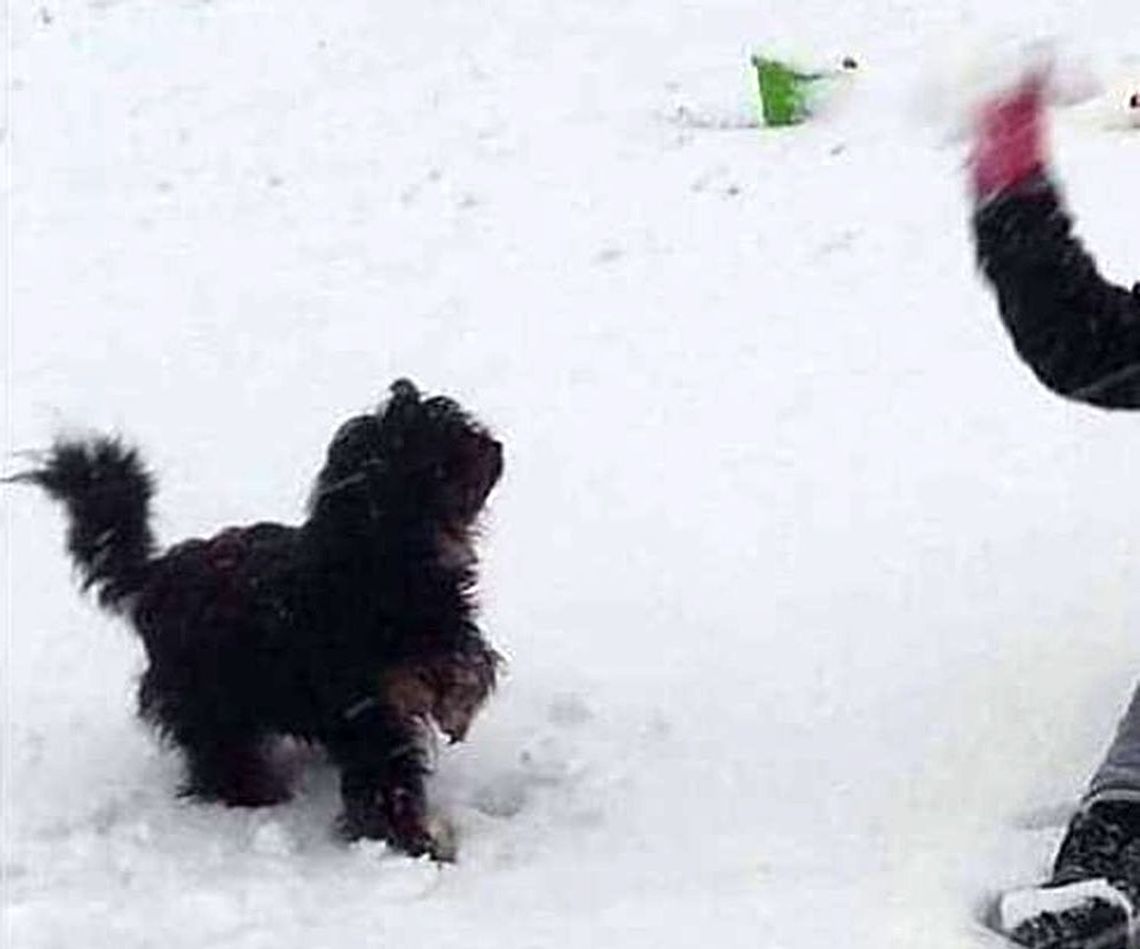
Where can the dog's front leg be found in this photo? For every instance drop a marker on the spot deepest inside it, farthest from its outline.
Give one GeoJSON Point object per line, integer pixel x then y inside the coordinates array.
{"type": "Point", "coordinates": [383, 766]}
{"type": "Point", "coordinates": [464, 681]}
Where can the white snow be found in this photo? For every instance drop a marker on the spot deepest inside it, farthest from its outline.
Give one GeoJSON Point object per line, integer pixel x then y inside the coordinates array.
{"type": "Point", "coordinates": [820, 609]}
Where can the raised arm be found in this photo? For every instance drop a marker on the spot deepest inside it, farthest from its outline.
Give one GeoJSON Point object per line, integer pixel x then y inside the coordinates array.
{"type": "Point", "coordinates": [1078, 332]}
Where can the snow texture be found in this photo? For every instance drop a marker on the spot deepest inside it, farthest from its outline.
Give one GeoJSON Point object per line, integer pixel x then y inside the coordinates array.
{"type": "Point", "coordinates": [819, 609]}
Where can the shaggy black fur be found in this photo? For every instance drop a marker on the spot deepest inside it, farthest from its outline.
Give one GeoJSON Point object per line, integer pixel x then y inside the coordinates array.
{"type": "Point", "coordinates": [1079, 332]}
{"type": "Point", "coordinates": [349, 630]}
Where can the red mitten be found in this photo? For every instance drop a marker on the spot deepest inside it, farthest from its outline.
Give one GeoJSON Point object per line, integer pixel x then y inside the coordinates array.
{"type": "Point", "coordinates": [1009, 139]}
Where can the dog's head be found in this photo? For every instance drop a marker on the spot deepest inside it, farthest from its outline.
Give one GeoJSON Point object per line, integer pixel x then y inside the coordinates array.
{"type": "Point", "coordinates": [413, 461]}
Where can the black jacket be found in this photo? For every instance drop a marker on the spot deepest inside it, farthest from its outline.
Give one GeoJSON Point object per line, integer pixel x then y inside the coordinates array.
{"type": "Point", "coordinates": [1078, 332]}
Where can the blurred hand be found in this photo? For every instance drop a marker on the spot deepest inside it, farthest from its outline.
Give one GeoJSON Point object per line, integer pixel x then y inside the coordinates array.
{"type": "Point", "coordinates": [1009, 139]}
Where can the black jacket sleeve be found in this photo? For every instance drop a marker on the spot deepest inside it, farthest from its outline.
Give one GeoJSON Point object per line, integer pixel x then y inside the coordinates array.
{"type": "Point", "coordinates": [1079, 333]}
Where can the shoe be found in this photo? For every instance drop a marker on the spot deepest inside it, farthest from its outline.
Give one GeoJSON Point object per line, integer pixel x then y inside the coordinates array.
{"type": "Point", "coordinates": [1090, 901]}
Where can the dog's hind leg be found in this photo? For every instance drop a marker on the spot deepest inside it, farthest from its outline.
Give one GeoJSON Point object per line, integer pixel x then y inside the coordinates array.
{"type": "Point", "coordinates": [233, 768]}
{"type": "Point", "coordinates": [228, 761]}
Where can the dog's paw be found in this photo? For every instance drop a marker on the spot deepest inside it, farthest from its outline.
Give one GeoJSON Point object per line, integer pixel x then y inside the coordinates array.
{"type": "Point", "coordinates": [399, 818]}
{"type": "Point", "coordinates": [362, 819]}
{"type": "Point", "coordinates": [444, 839]}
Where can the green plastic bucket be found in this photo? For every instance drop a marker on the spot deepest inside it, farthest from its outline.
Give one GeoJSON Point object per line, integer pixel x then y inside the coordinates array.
{"type": "Point", "coordinates": [787, 95]}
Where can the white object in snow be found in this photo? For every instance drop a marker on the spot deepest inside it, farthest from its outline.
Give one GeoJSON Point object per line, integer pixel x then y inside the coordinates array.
{"type": "Point", "coordinates": [1017, 906]}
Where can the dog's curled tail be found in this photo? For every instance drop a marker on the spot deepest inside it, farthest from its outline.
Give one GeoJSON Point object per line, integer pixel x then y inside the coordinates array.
{"type": "Point", "coordinates": [106, 490]}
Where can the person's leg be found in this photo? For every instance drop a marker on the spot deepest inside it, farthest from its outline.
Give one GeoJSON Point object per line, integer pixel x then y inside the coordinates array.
{"type": "Point", "coordinates": [1118, 777]}
{"type": "Point", "coordinates": [1093, 894]}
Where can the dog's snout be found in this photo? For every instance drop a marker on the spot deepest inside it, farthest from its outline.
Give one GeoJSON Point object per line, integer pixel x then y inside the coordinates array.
{"type": "Point", "coordinates": [489, 470]}
{"type": "Point", "coordinates": [495, 454]}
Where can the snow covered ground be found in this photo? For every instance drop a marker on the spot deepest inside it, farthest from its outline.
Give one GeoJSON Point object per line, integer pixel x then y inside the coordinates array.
{"type": "Point", "coordinates": [819, 609]}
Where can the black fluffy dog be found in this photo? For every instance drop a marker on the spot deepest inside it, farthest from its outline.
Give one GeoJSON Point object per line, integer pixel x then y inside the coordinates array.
{"type": "Point", "coordinates": [350, 630]}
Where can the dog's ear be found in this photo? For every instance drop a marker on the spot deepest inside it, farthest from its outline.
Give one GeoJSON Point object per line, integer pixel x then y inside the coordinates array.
{"type": "Point", "coordinates": [354, 438]}
{"type": "Point", "coordinates": [403, 392]}
{"type": "Point", "coordinates": [355, 443]}
{"type": "Point", "coordinates": [399, 414]}
{"type": "Point", "coordinates": [354, 449]}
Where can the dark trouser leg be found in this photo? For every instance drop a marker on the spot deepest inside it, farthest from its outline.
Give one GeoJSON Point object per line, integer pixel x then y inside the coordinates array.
{"type": "Point", "coordinates": [1091, 900]}
{"type": "Point", "coordinates": [1118, 777]}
